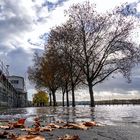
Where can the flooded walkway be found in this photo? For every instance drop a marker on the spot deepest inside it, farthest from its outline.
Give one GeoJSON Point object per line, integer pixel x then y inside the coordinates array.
{"type": "Point", "coordinates": [111, 115]}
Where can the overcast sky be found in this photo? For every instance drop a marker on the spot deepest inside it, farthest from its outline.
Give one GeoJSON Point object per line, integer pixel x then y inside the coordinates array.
{"type": "Point", "coordinates": [24, 25]}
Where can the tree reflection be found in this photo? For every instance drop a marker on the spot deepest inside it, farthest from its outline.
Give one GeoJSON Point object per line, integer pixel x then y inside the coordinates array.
{"type": "Point", "coordinates": [92, 113]}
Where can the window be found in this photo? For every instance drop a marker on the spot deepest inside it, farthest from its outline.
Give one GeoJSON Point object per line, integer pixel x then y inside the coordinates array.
{"type": "Point", "coordinates": [14, 81]}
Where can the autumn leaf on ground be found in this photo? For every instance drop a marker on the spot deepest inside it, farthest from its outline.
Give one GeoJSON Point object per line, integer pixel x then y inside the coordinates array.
{"type": "Point", "coordinates": [37, 123]}
{"type": "Point", "coordinates": [29, 137]}
{"type": "Point", "coordinates": [32, 131]}
{"type": "Point", "coordinates": [4, 134]}
{"type": "Point", "coordinates": [60, 121]}
{"type": "Point", "coordinates": [100, 124]}
{"type": "Point", "coordinates": [75, 126]}
{"type": "Point", "coordinates": [18, 124]}
{"type": "Point", "coordinates": [21, 121]}
{"type": "Point", "coordinates": [6, 127]}
{"type": "Point", "coordinates": [52, 125]}
{"type": "Point", "coordinates": [89, 124]}
{"type": "Point", "coordinates": [26, 129]}
{"type": "Point", "coordinates": [69, 137]}
{"type": "Point", "coordinates": [12, 136]}
{"type": "Point", "coordinates": [46, 128]}
{"type": "Point", "coordinates": [36, 119]}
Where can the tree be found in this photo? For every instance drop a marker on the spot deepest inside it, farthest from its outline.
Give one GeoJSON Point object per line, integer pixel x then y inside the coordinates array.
{"type": "Point", "coordinates": [40, 98]}
{"type": "Point", "coordinates": [49, 72]}
{"type": "Point", "coordinates": [89, 47]}
{"type": "Point", "coordinates": [62, 39]}
{"type": "Point", "coordinates": [104, 44]}
{"type": "Point", "coordinates": [34, 71]}
{"type": "Point", "coordinates": [44, 72]}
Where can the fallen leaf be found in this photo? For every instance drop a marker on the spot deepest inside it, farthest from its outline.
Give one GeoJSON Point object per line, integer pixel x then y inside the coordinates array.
{"type": "Point", "coordinates": [21, 121]}
{"type": "Point", "coordinates": [33, 131]}
{"type": "Point", "coordinates": [37, 124]}
{"type": "Point", "coordinates": [29, 137]}
{"type": "Point", "coordinates": [4, 134]}
{"type": "Point", "coordinates": [75, 126]}
{"type": "Point", "coordinates": [36, 119]}
{"type": "Point", "coordinates": [52, 125]}
{"type": "Point", "coordinates": [12, 136]}
{"type": "Point", "coordinates": [60, 121]}
{"type": "Point", "coordinates": [100, 124]}
{"type": "Point", "coordinates": [5, 127]}
{"type": "Point", "coordinates": [69, 137]}
{"type": "Point", "coordinates": [46, 128]}
{"type": "Point", "coordinates": [89, 124]}
{"type": "Point", "coordinates": [25, 129]}
{"type": "Point", "coordinates": [18, 125]}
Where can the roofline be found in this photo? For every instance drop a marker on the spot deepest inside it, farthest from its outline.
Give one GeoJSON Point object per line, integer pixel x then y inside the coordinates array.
{"type": "Point", "coordinates": [16, 76]}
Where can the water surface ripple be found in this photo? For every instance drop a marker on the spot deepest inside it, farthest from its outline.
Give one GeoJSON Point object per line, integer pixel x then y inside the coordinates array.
{"type": "Point", "coordinates": [111, 115]}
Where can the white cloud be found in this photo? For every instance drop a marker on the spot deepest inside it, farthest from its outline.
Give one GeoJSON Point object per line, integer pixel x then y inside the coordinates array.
{"type": "Point", "coordinates": [138, 7]}
{"type": "Point", "coordinates": [34, 20]}
{"type": "Point", "coordinates": [56, 16]}
{"type": "Point", "coordinates": [31, 93]}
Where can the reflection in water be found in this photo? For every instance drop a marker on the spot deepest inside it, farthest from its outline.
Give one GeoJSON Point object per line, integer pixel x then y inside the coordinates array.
{"type": "Point", "coordinates": [92, 114]}
{"type": "Point", "coordinates": [50, 114]}
{"type": "Point", "coordinates": [31, 111]}
{"type": "Point", "coordinates": [112, 115]}
{"type": "Point", "coordinates": [73, 114]}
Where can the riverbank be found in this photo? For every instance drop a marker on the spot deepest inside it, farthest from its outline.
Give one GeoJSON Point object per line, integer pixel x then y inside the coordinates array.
{"type": "Point", "coordinates": [95, 133]}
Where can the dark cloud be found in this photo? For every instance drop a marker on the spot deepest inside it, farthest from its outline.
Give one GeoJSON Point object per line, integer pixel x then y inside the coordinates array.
{"type": "Point", "coordinates": [130, 9]}
{"type": "Point", "coordinates": [51, 5]}
{"type": "Point", "coordinates": [120, 84]}
{"type": "Point", "coordinates": [19, 60]}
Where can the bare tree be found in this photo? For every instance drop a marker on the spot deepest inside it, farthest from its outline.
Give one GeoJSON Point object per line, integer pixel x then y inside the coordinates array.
{"type": "Point", "coordinates": [104, 45]}
{"type": "Point", "coordinates": [62, 38]}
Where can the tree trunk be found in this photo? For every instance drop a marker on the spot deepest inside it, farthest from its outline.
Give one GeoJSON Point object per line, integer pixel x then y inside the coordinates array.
{"type": "Point", "coordinates": [63, 94]}
{"type": "Point", "coordinates": [50, 99]}
{"type": "Point", "coordinates": [73, 97]}
{"type": "Point", "coordinates": [67, 97]}
{"type": "Point", "coordinates": [54, 98]}
{"type": "Point", "coordinates": [92, 103]}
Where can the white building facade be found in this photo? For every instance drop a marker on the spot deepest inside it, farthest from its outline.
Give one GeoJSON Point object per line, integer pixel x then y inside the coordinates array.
{"type": "Point", "coordinates": [19, 85]}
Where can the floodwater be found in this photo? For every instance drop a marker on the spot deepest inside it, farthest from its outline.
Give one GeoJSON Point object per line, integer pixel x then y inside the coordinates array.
{"type": "Point", "coordinates": [110, 115]}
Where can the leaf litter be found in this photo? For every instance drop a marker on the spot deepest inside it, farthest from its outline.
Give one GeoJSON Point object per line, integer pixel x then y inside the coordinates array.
{"type": "Point", "coordinates": [34, 132]}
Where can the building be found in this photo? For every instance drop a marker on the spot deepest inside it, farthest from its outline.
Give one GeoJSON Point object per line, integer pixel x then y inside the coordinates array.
{"type": "Point", "coordinates": [8, 94]}
{"type": "Point", "coordinates": [19, 85]}
{"type": "Point", "coordinates": [11, 94]}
